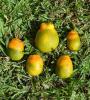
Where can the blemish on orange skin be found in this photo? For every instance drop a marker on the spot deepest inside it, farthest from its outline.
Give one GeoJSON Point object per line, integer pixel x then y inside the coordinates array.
{"type": "Point", "coordinates": [34, 58]}
{"type": "Point", "coordinates": [72, 35]}
{"type": "Point", "coordinates": [16, 44]}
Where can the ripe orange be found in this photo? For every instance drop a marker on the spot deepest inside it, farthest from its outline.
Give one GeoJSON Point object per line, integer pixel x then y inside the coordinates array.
{"type": "Point", "coordinates": [34, 65]}
{"type": "Point", "coordinates": [15, 49]}
{"type": "Point", "coordinates": [73, 40]}
{"type": "Point", "coordinates": [47, 38]}
{"type": "Point", "coordinates": [64, 67]}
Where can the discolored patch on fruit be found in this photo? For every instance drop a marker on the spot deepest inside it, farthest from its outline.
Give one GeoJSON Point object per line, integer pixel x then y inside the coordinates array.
{"type": "Point", "coordinates": [72, 35]}
{"type": "Point", "coordinates": [34, 58]}
{"type": "Point", "coordinates": [34, 65]}
{"type": "Point", "coordinates": [73, 40]}
{"type": "Point", "coordinates": [45, 26]}
{"type": "Point", "coordinates": [16, 44]}
{"type": "Point", "coordinates": [47, 40]}
{"type": "Point", "coordinates": [64, 67]}
{"type": "Point", "coordinates": [64, 60]}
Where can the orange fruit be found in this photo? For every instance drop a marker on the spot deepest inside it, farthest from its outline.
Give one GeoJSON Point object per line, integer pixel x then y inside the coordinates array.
{"type": "Point", "coordinates": [47, 38]}
{"type": "Point", "coordinates": [34, 65]}
{"type": "Point", "coordinates": [73, 40]}
{"type": "Point", "coordinates": [64, 67]}
{"type": "Point", "coordinates": [15, 49]}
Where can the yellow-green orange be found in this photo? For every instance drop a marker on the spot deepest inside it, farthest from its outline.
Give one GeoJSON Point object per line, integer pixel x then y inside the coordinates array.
{"type": "Point", "coordinates": [15, 49]}
{"type": "Point", "coordinates": [64, 67]}
{"type": "Point", "coordinates": [73, 40]}
{"type": "Point", "coordinates": [34, 65]}
{"type": "Point", "coordinates": [46, 38]}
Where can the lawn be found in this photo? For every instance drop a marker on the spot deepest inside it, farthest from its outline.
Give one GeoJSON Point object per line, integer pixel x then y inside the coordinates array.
{"type": "Point", "coordinates": [22, 18]}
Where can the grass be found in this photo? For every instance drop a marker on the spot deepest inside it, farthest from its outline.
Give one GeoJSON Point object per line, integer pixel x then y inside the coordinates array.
{"type": "Point", "coordinates": [21, 18]}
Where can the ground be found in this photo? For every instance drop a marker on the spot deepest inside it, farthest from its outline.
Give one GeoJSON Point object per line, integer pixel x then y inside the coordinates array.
{"type": "Point", "coordinates": [21, 18]}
